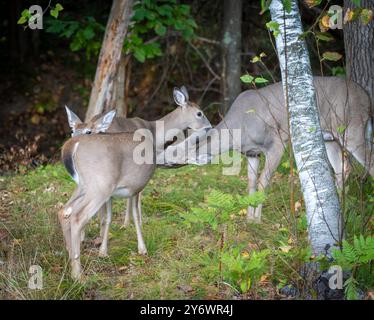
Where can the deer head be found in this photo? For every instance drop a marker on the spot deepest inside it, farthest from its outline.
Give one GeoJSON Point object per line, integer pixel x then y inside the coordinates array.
{"type": "Point", "coordinates": [98, 124]}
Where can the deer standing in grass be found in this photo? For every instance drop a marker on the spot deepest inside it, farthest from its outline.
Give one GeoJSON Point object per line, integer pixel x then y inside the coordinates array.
{"type": "Point", "coordinates": [106, 165]}
{"type": "Point", "coordinates": [109, 123]}
{"type": "Point", "coordinates": [261, 115]}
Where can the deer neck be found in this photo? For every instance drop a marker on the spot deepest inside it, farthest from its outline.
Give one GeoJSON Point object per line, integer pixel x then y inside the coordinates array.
{"type": "Point", "coordinates": [163, 128]}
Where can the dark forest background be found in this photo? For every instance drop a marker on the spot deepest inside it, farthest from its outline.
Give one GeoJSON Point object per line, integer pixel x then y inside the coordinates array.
{"type": "Point", "coordinates": [41, 70]}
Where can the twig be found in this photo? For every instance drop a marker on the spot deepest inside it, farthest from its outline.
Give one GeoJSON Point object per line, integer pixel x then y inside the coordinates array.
{"type": "Point", "coordinates": [204, 60]}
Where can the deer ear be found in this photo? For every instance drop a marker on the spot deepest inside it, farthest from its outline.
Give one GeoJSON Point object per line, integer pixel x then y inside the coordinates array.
{"type": "Point", "coordinates": [185, 92]}
{"type": "Point", "coordinates": [72, 118]}
{"type": "Point", "coordinates": [104, 122]}
{"type": "Point", "coordinates": [179, 97]}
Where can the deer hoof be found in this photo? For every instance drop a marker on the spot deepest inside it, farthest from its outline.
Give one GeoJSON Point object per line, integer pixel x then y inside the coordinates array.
{"type": "Point", "coordinates": [142, 251]}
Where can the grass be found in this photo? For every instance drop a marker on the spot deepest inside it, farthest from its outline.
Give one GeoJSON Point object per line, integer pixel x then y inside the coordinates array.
{"type": "Point", "coordinates": [182, 262]}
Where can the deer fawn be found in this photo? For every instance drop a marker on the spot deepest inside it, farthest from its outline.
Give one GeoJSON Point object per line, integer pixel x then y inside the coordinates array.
{"type": "Point", "coordinates": [105, 165]}
{"type": "Point", "coordinates": [261, 115]}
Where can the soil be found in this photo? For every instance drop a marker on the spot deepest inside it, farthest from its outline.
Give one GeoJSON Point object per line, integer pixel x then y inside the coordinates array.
{"type": "Point", "coordinates": [33, 122]}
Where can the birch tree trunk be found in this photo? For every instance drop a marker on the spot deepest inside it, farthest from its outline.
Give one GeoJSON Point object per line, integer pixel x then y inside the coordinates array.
{"type": "Point", "coordinates": [102, 95]}
{"type": "Point", "coordinates": [317, 184]}
{"type": "Point", "coordinates": [231, 50]}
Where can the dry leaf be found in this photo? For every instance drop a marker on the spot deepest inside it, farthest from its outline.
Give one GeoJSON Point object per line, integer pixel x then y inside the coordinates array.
{"type": "Point", "coordinates": [297, 205]}
{"type": "Point", "coordinates": [285, 249]}
{"type": "Point", "coordinates": [324, 23]}
{"type": "Point", "coordinates": [245, 254]}
{"type": "Point", "coordinates": [348, 16]}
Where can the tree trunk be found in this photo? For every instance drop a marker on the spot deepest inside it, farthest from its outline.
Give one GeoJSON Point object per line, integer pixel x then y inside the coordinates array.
{"type": "Point", "coordinates": [317, 184]}
{"type": "Point", "coordinates": [359, 44]}
{"type": "Point", "coordinates": [231, 50]}
{"type": "Point", "coordinates": [119, 88]}
{"type": "Point", "coordinates": [102, 95]}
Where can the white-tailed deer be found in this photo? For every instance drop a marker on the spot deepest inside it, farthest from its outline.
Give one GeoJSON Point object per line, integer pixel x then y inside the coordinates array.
{"type": "Point", "coordinates": [105, 165]}
{"type": "Point", "coordinates": [107, 122]}
{"type": "Point", "coordinates": [261, 116]}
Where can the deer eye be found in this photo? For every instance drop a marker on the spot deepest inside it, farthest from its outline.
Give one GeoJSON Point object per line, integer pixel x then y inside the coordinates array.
{"type": "Point", "coordinates": [199, 114]}
{"type": "Point", "coordinates": [87, 131]}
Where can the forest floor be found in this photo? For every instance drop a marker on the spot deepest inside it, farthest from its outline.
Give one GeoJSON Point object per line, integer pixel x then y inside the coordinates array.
{"type": "Point", "coordinates": [183, 260]}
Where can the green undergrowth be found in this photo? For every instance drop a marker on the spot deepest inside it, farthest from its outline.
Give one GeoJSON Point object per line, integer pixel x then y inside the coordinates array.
{"type": "Point", "coordinates": [185, 260]}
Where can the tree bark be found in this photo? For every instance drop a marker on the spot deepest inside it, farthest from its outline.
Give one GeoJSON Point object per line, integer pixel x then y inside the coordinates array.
{"type": "Point", "coordinates": [317, 184]}
{"type": "Point", "coordinates": [119, 88]}
{"type": "Point", "coordinates": [359, 49]}
{"type": "Point", "coordinates": [231, 52]}
{"type": "Point", "coordinates": [102, 95]}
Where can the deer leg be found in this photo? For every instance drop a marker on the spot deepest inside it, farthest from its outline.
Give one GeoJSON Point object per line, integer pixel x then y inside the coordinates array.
{"type": "Point", "coordinates": [139, 204]}
{"type": "Point", "coordinates": [103, 217]}
{"type": "Point", "coordinates": [79, 218]}
{"type": "Point", "coordinates": [126, 223]}
{"type": "Point", "coordinates": [103, 251]}
{"type": "Point", "coordinates": [135, 214]}
{"type": "Point", "coordinates": [252, 171]}
{"type": "Point", "coordinates": [359, 148]}
{"type": "Point", "coordinates": [64, 218]}
{"type": "Point", "coordinates": [272, 159]}
{"type": "Point", "coordinates": [334, 153]}
{"type": "Point", "coordinates": [129, 207]}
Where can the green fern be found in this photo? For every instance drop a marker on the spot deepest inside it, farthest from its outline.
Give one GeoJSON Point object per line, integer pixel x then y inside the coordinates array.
{"type": "Point", "coordinates": [360, 252]}
{"type": "Point", "coordinates": [220, 207]}
{"type": "Point", "coordinates": [351, 288]}
{"type": "Point", "coordinates": [352, 257]}
{"type": "Point", "coordinates": [244, 270]}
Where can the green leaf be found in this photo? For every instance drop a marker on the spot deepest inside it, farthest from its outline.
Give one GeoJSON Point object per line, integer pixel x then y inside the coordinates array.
{"type": "Point", "coordinates": [265, 6]}
{"type": "Point", "coordinates": [287, 5]}
{"type": "Point", "coordinates": [25, 15]}
{"type": "Point", "coordinates": [139, 54]}
{"type": "Point", "coordinates": [331, 56]}
{"type": "Point", "coordinates": [340, 129]}
{"type": "Point", "coordinates": [366, 16]}
{"type": "Point", "coordinates": [139, 14]}
{"type": "Point", "coordinates": [338, 71]}
{"type": "Point", "coordinates": [274, 27]}
{"type": "Point", "coordinates": [88, 33]}
{"type": "Point", "coordinates": [255, 59]}
{"type": "Point", "coordinates": [165, 10]}
{"type": "Point", "coordinates": [261, 80]}
{"type": "Point", "coordinates": [160, 29]}
{"type": "Point", "coordinates": [324, 36]}
{"type": "Point", "coordinates": [247, 78]}
{"type": "Point", "coordinates": [22, 20]}
{"type": "Point", "coordinates": [54, 13]}
{"type": "Point", "coordinates": [59, 7]}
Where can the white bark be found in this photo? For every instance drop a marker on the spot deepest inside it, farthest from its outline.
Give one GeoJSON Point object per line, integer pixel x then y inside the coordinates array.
{"type": "Point", "coordinates": [321, 199]}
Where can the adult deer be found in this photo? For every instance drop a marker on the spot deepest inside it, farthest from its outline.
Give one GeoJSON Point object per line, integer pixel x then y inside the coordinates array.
{"type": "Point", "coordinates": [106, 165]}
{"type": "Point", "coordinates": [261, 116]}
{"type": "Point", "coordinates": [107, 122]}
